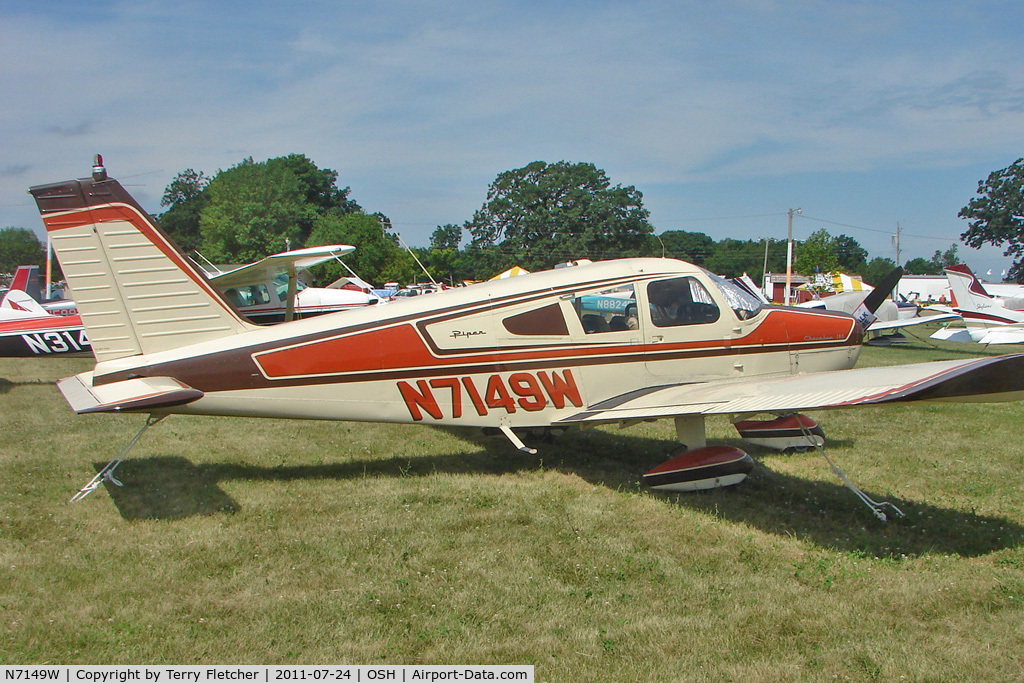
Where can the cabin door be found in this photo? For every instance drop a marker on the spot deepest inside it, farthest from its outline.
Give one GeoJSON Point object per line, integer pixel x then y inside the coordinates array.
{"type": "Point", "coordinates": [687, 330]}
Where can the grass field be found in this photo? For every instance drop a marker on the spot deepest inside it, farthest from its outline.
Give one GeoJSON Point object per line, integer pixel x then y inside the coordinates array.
{"type": "Point", "coordinates": [247, 541]}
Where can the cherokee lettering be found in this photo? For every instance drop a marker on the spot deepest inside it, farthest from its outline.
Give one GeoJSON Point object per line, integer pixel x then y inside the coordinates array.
{"type": "Point", "coordinates": [523, 390]}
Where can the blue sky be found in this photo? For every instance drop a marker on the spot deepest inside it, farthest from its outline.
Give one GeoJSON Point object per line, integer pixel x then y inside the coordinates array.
{"type": "Point", "coordinates": [723, 114]}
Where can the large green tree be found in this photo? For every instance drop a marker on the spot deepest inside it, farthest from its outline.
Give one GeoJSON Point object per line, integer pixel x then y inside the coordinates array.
{"type": "Point", "coordinates": [996, 215]}
{"type": "Point", "coordinates": [185, 198]}
{"type": "Point", "coordinates": [945, 259]}
{"type": "Point", "coordinates": [732, 258]}
{"type": "Point", "coordinates": [817, 254]}
{"type": "Point", "coordinates": [934, 265]}
{"type": "Point", "coordinates": [694, 247]}
{"type": "Point", "coordinates": [853, 258]}
{"type": "Point", "coordinates": [877, 269]}
{"type": "Point", "coordinates": [318, 186]}
{"type": "Point", "coordinates": [251, 209]}
{"type": "Point", "coordinates": [921, 266]}
{"type": "Point", "coordinates": [544, 213]}
{"type": "Point", "coordinates": [20, 247]}
{"type": "Point", "coordinates": [254, 209]}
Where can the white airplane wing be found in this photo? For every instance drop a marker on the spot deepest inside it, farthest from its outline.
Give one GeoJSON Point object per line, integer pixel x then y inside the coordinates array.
{"type": "Point", "coordinates": [265, 269]}
{"type": "Point", "coordinates": [878, 325]}
{"type": "Point", "coordinates": [991, 378]}
{"type": "Point", "coordinates": [953, 334]}
{"type": "Point", "coordinates": [1007, 334]}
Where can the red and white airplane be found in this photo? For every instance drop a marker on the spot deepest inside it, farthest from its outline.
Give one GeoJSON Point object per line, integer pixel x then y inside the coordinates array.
{"type": "Point", "coordinates": [988, 319]}
{"type": "Point", "coordinates": [27, 279]}
{"type": "Point", "coordinates": [28, 329]}
{"type": "Point", "coordinates": [523, 352]}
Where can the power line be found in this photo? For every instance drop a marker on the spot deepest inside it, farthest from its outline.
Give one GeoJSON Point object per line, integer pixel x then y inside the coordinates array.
{"type": "Point", "coordinates": [720, 218]}
{"type": "Point", "coordinates": [884, 232]}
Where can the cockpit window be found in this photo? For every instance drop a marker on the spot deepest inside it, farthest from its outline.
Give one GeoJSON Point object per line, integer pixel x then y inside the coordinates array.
{"type": "Point", "coordinates": [681, 301]}
{"type": "Point", "coordinates": [744, 304]}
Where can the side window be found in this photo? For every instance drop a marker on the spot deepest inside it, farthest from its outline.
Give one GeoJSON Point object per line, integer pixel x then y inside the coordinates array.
{"type": "Point", "coordinates": [610, 310]}
{"type": "Point", "coordinates": [252, 295]}
{"type": "Point", "coordinates": [681, 301]}
{"type": "Point", "coordinates": [538, 322]}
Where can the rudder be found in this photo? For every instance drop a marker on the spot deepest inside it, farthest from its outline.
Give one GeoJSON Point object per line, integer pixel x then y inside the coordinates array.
{"type": "Point", "coordinates": [136, 292]}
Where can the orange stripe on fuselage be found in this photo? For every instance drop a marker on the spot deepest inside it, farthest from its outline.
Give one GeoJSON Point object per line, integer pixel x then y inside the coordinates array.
{"type": "Point", "coordinates": [401, 347]}
{"type": "Point", "coordinates": [364, 352]}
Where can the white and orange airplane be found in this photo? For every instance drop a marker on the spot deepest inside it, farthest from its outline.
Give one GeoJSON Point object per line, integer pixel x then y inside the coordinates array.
{"type": "Point", "coordinates": [28, 329]}
{"type": "Point", "coordinates": [524, 352]}
{"type": "Point", "coordinates": [987, 319]}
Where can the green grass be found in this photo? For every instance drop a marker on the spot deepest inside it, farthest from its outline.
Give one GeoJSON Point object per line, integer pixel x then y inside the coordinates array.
{"type": "Point", "coordinates": [247, 541]}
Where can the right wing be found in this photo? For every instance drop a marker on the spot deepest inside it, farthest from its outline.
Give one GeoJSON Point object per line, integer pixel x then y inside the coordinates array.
{"type": "Point", "coordinates": [990, 379]}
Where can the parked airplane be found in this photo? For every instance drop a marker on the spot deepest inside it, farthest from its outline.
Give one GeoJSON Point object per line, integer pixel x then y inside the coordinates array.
{"type": "Point", "coordinates": [269, 290]}
{"type": "Point", "coordinates": [266, 291]}
{"type": "Point", "coordinates": [27, 279]}
{"type": "Point", "coordinates": [890, 318]}
{"type": "Point", "coordinates": [27, 329]}
{"type": "Point", "coordinates": [508, 354]}
{"type": "Point", "coordinates": [988, 320]}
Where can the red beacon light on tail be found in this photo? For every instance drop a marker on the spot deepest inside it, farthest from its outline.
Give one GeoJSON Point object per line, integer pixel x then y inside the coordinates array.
{"type": "Point", "coordinates": [99, 171]}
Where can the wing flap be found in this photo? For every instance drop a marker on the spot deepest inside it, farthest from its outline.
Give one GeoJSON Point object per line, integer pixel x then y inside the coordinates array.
{"type": "Point", "coordinates": [995, 378]}
{"type": "Point", "coordinates": [139, 394]}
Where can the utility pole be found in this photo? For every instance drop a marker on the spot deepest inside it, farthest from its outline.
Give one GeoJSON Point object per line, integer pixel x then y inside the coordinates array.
{"type": "Point", "coordinates": [764, 270]}
{"type": "Point", "coordinates": [789, 254]}
{"type": "Point", "coordinates": [896, 241]}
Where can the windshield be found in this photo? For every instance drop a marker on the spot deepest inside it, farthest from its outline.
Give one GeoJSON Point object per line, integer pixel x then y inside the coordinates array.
{"type": "Point", "coordinates": [742, 302]}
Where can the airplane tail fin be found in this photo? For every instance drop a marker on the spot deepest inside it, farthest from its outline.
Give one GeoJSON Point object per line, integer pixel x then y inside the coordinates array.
{"type": "Point", "coordinates": [26, 279]}
{"type": "Point", "coordinates": [19, 300]}
{"type": "Point", "coordinates": [136, 291]}
{"type": "Point", "coordinates": [970, 286]}
{"type": "Point", "coordinates": [987, 319]}
{"type": "Point", "coordinates": [968, 292]}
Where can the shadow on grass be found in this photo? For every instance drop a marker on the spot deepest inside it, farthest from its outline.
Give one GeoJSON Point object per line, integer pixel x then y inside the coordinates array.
{"type": "Point", "coordinates": [6, 385]}
{"type": "Point", "coordinates": [824, 513]}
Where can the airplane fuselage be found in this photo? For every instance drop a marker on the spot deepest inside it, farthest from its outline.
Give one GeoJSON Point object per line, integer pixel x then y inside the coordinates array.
{"type": "Point", "coordinates": [518, 352]}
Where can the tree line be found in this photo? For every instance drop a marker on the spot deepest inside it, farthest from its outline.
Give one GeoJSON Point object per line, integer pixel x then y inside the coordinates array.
{"type": "Point", "coordinates": [533, 217]}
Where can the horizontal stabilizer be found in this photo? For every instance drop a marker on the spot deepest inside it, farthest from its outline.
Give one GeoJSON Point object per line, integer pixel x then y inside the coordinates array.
{"type": "Point", "coordinates": [143, 394]}
{"type": "Point", "coordinates": [23, 305]}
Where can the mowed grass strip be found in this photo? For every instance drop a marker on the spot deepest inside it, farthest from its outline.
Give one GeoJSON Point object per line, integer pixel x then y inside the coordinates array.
{"type": "Point", "coordinates": [262, 541]}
